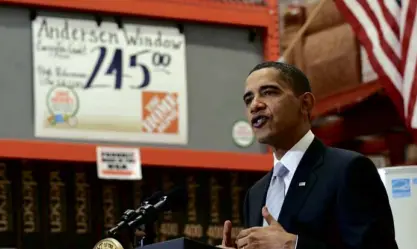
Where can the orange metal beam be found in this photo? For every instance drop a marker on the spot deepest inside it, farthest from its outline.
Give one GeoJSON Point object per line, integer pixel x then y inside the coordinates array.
{"type": "Point", "coordinates": [231, 13]}
{"type": "Point", "coordinates": [335, 103]}
{"type": "Point", "coordinates": [376, 115]}
{"type": "Point", "coordinates": [377, 145]}
{"type": "Point", "coordinates": [392, 142]}
{"type": "Point", "coordinates": [77, 152]}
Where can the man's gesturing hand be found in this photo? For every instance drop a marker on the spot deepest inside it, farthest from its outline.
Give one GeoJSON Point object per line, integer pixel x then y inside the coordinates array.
{"type": "Point", "coordinates": [273, 236]}
{"type": "Point", "coordinates": [227, 236]}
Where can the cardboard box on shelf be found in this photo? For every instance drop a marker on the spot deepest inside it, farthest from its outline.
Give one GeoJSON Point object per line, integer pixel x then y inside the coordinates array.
{"type": "Point", "coordinates": [328, 52]}
{"type": "Point", "coordinates": [328, 16]}
{"type": "Point", "coordinates": [293, 17]}
{"type": "Point", "coordinates": [331, 60]}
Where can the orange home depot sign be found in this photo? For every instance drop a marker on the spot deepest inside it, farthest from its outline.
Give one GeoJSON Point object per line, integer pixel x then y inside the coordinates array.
{"type": "Point", "coordinates": [160, 112]}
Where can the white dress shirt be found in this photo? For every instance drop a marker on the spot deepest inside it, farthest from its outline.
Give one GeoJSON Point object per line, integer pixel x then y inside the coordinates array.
{"type": "Point", "coordinates": [291, 160]}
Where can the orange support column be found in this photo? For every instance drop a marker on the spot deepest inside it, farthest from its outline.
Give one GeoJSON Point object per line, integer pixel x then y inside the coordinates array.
{"type": "Point", "coordinates": [271, 37]}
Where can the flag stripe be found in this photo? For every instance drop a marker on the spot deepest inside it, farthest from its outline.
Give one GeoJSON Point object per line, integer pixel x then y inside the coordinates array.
{"type": "Point", "coordinates": [370, 31]}
{"type": "Point", "coordinates": [394, 11]}
{"type": "Point", "coordinates": [409, 57]}
{"type": "Point", "coordinates": [404, 10]}
{"type": "Point", "coordinates": [366, 42]}
{"type": "Point", "coordinates": [387, 30]}
{"type": "Point", "coordinates": [413, 117]}
{"type": "Point", "coordinates": [391, 15]}
{"type": "Point", "coordinates": [384, 29]}
{"type": "Point", "coordinates": [389, 43]}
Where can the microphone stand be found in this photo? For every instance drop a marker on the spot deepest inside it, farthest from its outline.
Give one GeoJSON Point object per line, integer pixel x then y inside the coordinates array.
{"type": "Point", "coordinates": [133, 219]}
{"type": "Point", "coordinates": [119, 239]}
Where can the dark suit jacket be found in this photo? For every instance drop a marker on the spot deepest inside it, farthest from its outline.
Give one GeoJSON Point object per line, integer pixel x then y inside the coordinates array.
{"type": "Point", "coordinates": [343, 204]}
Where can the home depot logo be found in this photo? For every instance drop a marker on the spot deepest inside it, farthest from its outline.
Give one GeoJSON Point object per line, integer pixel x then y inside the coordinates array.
{"type": "Point", "coordinates": [160, 112]}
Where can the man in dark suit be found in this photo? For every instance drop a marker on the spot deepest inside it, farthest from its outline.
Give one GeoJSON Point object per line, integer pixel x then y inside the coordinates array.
{"type": "Point", "coordinates": [315, 197]}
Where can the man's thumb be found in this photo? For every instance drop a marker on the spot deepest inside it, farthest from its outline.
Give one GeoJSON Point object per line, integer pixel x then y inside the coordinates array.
{"type": "Point", "coordinates": [268, 217]}
{"type": "Point", "coordinates": [227, 234]}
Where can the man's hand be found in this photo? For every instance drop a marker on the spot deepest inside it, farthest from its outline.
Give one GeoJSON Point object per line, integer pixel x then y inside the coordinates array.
{"type": "Point", "coordinates": [139, 234]}
{"type": "Point", "coordinates": [227, 236]}
{"type": "Point", "coordinates": [273, 236]}
{"type": "Point", "coordinates": [125, 238]}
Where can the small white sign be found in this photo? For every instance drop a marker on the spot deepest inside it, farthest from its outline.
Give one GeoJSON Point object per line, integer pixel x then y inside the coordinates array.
{"type": "Point", "coordinates": [118, 163]}
{"type": "Point", "coordinates": [242, 134]}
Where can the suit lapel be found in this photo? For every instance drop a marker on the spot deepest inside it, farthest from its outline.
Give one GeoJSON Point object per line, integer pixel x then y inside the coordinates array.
{"type": "Point", "coordinates": [298, 192]}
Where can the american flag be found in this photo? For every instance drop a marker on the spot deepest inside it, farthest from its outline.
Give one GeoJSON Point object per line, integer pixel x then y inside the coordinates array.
{"type": "Point", "coordinates": [387, 29]}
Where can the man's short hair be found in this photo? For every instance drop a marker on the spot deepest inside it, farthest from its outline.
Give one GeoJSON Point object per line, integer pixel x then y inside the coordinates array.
{"type": "Point", "coordinates": [291, 74]}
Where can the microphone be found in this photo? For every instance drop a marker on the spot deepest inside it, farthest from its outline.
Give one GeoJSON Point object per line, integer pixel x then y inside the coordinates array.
{"type": "Point", "coordinates": [173, 199]}
{"type": "Point", "coordinates": [131, 214]}
{"type": "Point", "coordinates": [153, 198]}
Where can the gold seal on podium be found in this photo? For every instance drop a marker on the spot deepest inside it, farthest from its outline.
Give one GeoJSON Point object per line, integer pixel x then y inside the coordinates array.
{"type": "Point", "coordinates": [108, 243]}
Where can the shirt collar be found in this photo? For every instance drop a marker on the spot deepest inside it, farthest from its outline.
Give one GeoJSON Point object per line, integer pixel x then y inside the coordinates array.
{"type": "Point", "coordinates": [292, 158]}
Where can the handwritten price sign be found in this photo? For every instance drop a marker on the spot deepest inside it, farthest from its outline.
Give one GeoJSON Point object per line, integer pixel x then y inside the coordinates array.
{"type": "Point", "coordinates": [109, 83]}
{"type": "Point", "coordinates": [116, 68]}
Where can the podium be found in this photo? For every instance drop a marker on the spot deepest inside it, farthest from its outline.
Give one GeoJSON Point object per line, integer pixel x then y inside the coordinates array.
{"type": "Point", "coordinates": [180, 243]}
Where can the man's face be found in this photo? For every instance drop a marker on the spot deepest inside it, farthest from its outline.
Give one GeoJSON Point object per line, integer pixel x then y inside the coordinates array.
{"type": "Point", "coordinates": [271, 106]}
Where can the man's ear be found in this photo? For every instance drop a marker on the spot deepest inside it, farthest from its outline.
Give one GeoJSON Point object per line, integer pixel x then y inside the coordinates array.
{"type": "Point", "coordinates": [307, 101]}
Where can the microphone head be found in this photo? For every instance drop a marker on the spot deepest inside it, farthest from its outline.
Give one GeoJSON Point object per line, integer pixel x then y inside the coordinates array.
{"type": "Point", "coordinates": [176, 199]}
{"type": "Point", "coordinates": [154, 198]}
